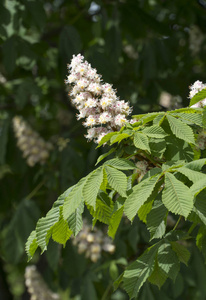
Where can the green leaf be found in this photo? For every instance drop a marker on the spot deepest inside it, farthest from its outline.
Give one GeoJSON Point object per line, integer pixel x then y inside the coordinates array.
{"type": "Point", "coordinates": [201, 95]}
{"type": "Point", "coordinates": [177, 149]}
{"type": "Point", "coordinates": [158, 276]}
{"type": "Point", "coordinates": [36, 12]}
{"type": "Point", "coordinates": [154, 131]}
{"type": "Point", "coordinates": [60, 231]}
{"type": "Point", "coordinates": [115, 221]}
{"type": "Point", "coordinates": [157, 146]}
{"type": "Point", "coordinates": [181, 130]}
{"type": "Point", "coordinates": [120, 164]}
{"type": "Point", "coordinates": [201, 240]}
{"type": "Point", "coordinates": [106, 138]}
{"type": "Point", "coordinates": [118, 138]}
{"type": "Point", "coordinates": [138, 272]}
{"type": "Point", "coordinates": [31, 245]}
{"type": "Point", "coordinates": [44, 225]}
{"type": "Point", "coordinates": [92, 186]}
{"type": "Point", "coordinates": [176, 196]}
{"type": "Point", "coordinates": [192, 118]}
{"type": "Point", "coordinates": [193, 176]}
{"type": "Point", "coordinates": [117, 180]}
{"type": "Point", "coordinates": [74, 198]}
{"type": "Point", "coordinates": [182, 253]}
{"type": "Point", "coordinates": [204, 118]}
{"type": "Point", "coordinates": [145, 209]}
{"type": "Point", "coordinates": [101, 157]}
{"type": "Point", "coordinates": [103, 210]}
{"type": "Point", "coordinates": [140, 193]}
{"type": "Point", "coordinates": [141, 141]}
{"type": "Point", "coordinates": [198, 186]}
{"type": "Point", "coordinates": [196, 165]}
{"type": "Point", "coordinates": [75, 222]}
{"type": "Point", "coordinates": [156, 220]}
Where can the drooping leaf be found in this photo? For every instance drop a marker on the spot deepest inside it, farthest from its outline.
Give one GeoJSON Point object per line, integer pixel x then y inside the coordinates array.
{"type": "Point", "coordinates": [60, 230]}
{"type": "Point", "coordinates": [74, 198]}
{"type": "Point", "coordinates": [75, 222]}
{"type": "Point", "coordinates": [118, 138]}
{"type": "Point", "coordinates": [182, 252]}
{"type": "Point", "coordinates": [141, 192]}
{"type": "Point", "coordinates": [101, 157]}
{"type": "Point", "coordinates": [156, 220]}
{"type": "Point", "coordinates": [117, 180]}
{"type": "Point", "coordinates": [138, 272]}
{"type": "Point", "coordinates": [181, 130]}
{"type": "Point", "coordinates": [176, 196]}
{"type": "Point", "coordinates": [31, 245]}
{"type": "Point", "coordinates": [106, 138]}
{"type": "Point", "coordinates": [115, 221]}
{"type": "Point", "coordinates": [103, 210]}
{"type": "Point", "coordinates": [92, 186]}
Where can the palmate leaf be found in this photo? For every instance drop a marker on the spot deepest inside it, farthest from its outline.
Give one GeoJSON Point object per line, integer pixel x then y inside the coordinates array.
{"type": "Point", "coordinates": [154, 131]}
{"type": "Point", "coordinates": [75, 222]}
{"type": "Point", "coordinates": [141, 192]}
{"type": "Point", "coordinates": [117, 180]}
{"type": "Point", "coordinates": [138, 272]}
{"type": "Point", "coordinates": [157, 146]}
{"type": "Point", "coordinates": [198, 97]}
{"type": "Point", "coordinates": [120, 164]}
{"type": "Point", "coordinates": [31, 245]}
{"type": "Point", "coordinates": [176, 196]}
{"type": "Point", "coordinates": [92, 185]}
{"type": "Point", "coordinates": [156, 219]}
{"type": "Point", "coordinates": [181, 130]}
{"type": "Point", "coordinates": [141, 141]}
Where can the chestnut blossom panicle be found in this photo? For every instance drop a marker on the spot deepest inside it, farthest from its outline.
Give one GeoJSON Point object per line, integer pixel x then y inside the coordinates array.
{"type": "Point", "coordinates": [92, 242]}
{"type": "Point", "coordinates": [196, 87]}
{"type": "Point", "coordinates": [35, 149]}
{"type": "Point", "coordinates": [96, 101]}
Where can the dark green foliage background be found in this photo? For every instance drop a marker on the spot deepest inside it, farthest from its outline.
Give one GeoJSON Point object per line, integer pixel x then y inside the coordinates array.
{"type": "Point", "coordinates": [37, 40]}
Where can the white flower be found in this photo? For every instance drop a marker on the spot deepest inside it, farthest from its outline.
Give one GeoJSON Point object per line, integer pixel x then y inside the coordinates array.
{"type": "Point", "coordinates": [90, 121]}
{"type": "Point", "coordinates": [120, 120]}
{"type": "Point", "coordinates": [95, 88]}
{"type": "Point", "coordinates": [91, 102]}
{"type": "Point", "coordinates": [106, 102]}
{"type": "Point", "coordinates": [104, 118]}
{"type": "Point", "coordinates": [196, 87]}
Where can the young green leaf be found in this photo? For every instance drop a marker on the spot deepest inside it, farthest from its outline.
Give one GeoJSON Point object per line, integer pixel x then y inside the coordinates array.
{"type": "Point", "coordinates": [198, 97]}
{"type": "Point", "coordinates": [118, 138]}
{"type": "Point", "coordinates": [103, 211]}
{"type": "Point", "coordinates": [106, 138]}
{"type": "Point", "coordinates": [101, 157]}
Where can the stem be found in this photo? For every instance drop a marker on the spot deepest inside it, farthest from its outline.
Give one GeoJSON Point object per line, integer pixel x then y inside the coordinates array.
{"type": "Point", "coordinates": [35, 190]}
{"type": "Point", "coordinates": [191, 228]}
{"type": "Point", "coordinates": [180, 217]}
{"type": "Point", "coordinates": [152, 160]}
{"type": "Point", "coordinates": [106, 293]}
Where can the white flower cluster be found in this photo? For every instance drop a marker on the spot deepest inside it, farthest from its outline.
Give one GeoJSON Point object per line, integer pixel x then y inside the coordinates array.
{"type": "Point", "coordinates": [196, 87]}
{"type": "Point", "coordinates": [34, 148]}
{"type": "Point", "coordinates": [92, 242]}
{"type": "Point", "coordinates": [141, 169]}
{"type": "Point", "coordinates": [97, 102]}
{"type": "Point", "coordinates": [36, 286]}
